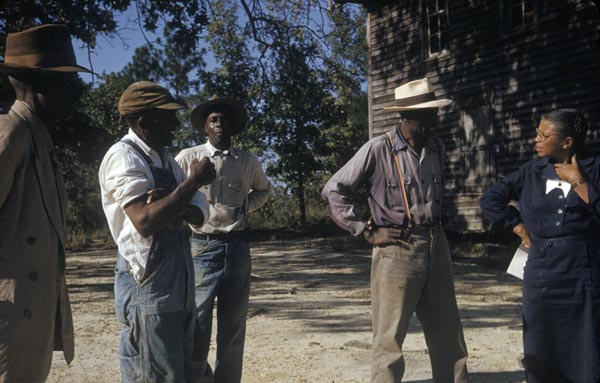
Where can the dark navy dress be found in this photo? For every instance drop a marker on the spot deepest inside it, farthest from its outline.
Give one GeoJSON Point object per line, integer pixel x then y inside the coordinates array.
{"type": "Point", "coordinates": [561, 284]}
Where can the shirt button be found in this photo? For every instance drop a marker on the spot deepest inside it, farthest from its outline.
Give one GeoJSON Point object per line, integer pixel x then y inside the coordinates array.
{"type": "Point", "coordinates": [557, 223]}
{"type": "Point", "coordinates": [560, 196]}
{"type": "Point", "coordinates": [30, 240]}
{"type": "Point", "coordinates": [559, 211]}
{"type": "Point", "coordinates": [33, 276]}
{"type": "Point", "coordinates": [27, 313]}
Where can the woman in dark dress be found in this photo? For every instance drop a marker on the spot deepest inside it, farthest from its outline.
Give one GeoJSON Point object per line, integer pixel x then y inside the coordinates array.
{"type": "Point", "coordinates": [559, 221]}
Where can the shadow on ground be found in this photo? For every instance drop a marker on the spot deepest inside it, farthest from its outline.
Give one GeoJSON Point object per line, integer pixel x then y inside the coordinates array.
{"type": "Point", "coordinates": [288, 272]}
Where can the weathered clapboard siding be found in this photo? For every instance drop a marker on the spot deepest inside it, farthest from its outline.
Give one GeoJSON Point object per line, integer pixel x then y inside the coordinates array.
{"type": "Point", "coordinates": [497, 77]}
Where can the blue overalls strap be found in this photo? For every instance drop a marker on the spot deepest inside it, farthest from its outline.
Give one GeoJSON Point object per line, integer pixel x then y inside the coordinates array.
{"type": "Point", "coordinates": [139, 150]}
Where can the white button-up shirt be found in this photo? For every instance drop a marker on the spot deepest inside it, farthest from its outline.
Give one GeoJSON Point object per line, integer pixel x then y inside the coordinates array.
{"type": "Point", "coordinates": [124, 176]}
{"type": "Point", "coordinates": [240, 187]}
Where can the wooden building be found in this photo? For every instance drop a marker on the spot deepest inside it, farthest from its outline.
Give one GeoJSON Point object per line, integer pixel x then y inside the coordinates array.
{"type": "Point", "coordinates": [503, 62]}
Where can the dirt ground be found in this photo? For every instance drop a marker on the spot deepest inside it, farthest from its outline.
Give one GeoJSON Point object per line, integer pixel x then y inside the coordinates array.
{"type": "Point", "coordinates": [309, 318]}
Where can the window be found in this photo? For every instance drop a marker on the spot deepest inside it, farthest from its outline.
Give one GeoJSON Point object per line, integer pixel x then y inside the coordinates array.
{"type": "Point", "coordinates": [437, 25]}
{"type": "Point", "coordinates": [520, 13]}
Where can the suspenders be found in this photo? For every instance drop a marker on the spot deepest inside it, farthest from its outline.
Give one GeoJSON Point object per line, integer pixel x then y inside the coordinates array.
{"type": "Point", "coordinates": [401, 178]}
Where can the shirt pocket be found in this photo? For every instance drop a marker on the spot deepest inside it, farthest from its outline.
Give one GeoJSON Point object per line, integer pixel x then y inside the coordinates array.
{"type": "Point", "coordinates": [232, 193]}
{"type": "Point", "coordinates": [393, 192]}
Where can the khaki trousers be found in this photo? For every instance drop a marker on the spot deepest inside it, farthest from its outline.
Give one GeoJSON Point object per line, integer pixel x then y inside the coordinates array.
{"type": "Point", "coordinates": [416, 278]}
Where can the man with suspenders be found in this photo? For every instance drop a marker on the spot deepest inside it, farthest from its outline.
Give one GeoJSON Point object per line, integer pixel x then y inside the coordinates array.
{"type": "Point", "coordinates": [411, 264]}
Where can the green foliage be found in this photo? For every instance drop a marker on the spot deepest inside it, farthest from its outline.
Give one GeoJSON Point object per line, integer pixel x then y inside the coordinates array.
{"type": "Point", "coordinates": [299, 70]}
{"type": "Point", "coordinates": [297, 110]}
{"type": "Point", "coordinates": [235, 72]}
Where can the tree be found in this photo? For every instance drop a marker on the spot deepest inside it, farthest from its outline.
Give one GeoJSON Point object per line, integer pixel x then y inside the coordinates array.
{"type": "Point", "coordinates": [86, 20]}
{"type": "Point", "coordinates": [235, 73]}
{"type": "Point", "coordinates": [298, 74]}
{"type": "Point", "coordinates": [297, 109]}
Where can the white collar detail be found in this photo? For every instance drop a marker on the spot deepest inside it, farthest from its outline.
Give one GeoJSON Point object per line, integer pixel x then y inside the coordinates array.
{"type": "Point", "coordinates": [558, 184]}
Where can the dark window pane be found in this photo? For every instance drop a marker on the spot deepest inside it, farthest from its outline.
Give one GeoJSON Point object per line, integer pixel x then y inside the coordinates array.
{"type": "Point", "coordinates": [434, 44]}
{"type": "Point", "coordinates": [433, 25]}
{"type": "Point", "coordinates": [528, 14]}
{"type": "Point", "coordinates": [431, 7]}
{"type": "Point", "coordinates": [442, 5]}
{"type": "Point", "coordinates": [444, 41]}
{"type": "Point", "coordinates": [517, 17]}
{"type": "Point", "coordinates": [443, 23]}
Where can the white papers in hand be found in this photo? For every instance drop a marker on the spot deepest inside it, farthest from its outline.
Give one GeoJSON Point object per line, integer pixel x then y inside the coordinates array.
{"type": "Point", "coordinates": [517, 265]}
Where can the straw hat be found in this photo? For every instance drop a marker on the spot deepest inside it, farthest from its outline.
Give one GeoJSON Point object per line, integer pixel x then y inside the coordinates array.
{"type": "Point", "coordinates": [416, 94]}
{"type": "Point", "coordinates": [43, 48]}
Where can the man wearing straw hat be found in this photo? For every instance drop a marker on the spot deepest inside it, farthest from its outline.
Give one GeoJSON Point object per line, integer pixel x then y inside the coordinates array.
{"type": "Point", "coordinates": [35, 314]}
{"type": "Point", "coordinates": [220, 249]}
{"type": "Point", "coordinates": [411, 265]}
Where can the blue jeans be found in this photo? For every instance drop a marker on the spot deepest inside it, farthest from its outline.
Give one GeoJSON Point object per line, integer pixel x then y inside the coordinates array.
{"type": "Point", "coordinates": [158, 314]}
{"type": "Point", "coordinates": [222, 270]}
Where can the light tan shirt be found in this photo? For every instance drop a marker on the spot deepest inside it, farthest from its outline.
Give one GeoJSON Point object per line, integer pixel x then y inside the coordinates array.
{"type": "Point", "coordinates": [240, 187]}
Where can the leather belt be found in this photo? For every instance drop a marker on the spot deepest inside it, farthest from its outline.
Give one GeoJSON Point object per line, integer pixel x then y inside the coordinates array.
{"type": "Point", "coordinates": [218, 236]}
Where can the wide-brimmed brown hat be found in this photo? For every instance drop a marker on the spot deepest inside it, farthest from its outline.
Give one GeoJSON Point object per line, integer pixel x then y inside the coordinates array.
{"type": "Point", "coordinates": [43, 48]}
{"type": "Point", "coordinates": [414, 95]}
{"type": "Point", "coordinates": [145, 95]}
{"type": "Point", "coordinates": [231, 106]}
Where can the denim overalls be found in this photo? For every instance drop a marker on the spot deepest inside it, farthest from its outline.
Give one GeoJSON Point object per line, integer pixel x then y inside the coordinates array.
{"type": "Point", "coordinates": [159, 311]}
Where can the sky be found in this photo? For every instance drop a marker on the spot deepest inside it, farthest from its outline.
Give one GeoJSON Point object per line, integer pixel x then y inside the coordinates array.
{"type": "Point", "coordinates": [112, 53]}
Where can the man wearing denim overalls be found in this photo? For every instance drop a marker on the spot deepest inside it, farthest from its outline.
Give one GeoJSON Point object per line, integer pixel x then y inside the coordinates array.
{"type": "Point", "coordinates": [147, 199]}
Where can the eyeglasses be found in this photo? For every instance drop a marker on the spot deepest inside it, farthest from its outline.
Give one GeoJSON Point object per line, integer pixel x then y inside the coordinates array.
{"type": "Point", "coordinates": [543, 137]}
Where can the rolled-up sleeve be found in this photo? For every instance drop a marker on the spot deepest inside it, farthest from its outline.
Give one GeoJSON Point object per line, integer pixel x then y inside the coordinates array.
{"type": "Point", "coordinates": [339, 191]}
{"type": "Point", "coordinates": [261, 188]}
{"type": "Point", "coordinates": [125, 177]}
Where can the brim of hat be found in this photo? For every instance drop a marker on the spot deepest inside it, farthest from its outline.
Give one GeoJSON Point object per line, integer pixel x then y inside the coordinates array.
{"type": "Point", "coordinates": [239, 115]}
{"type": "Point", "coordinates": [424, 105]}
{"type": "Point", "coordinates": [171, 106]}
{"type": "Point", "coordinates": [10, 68]}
